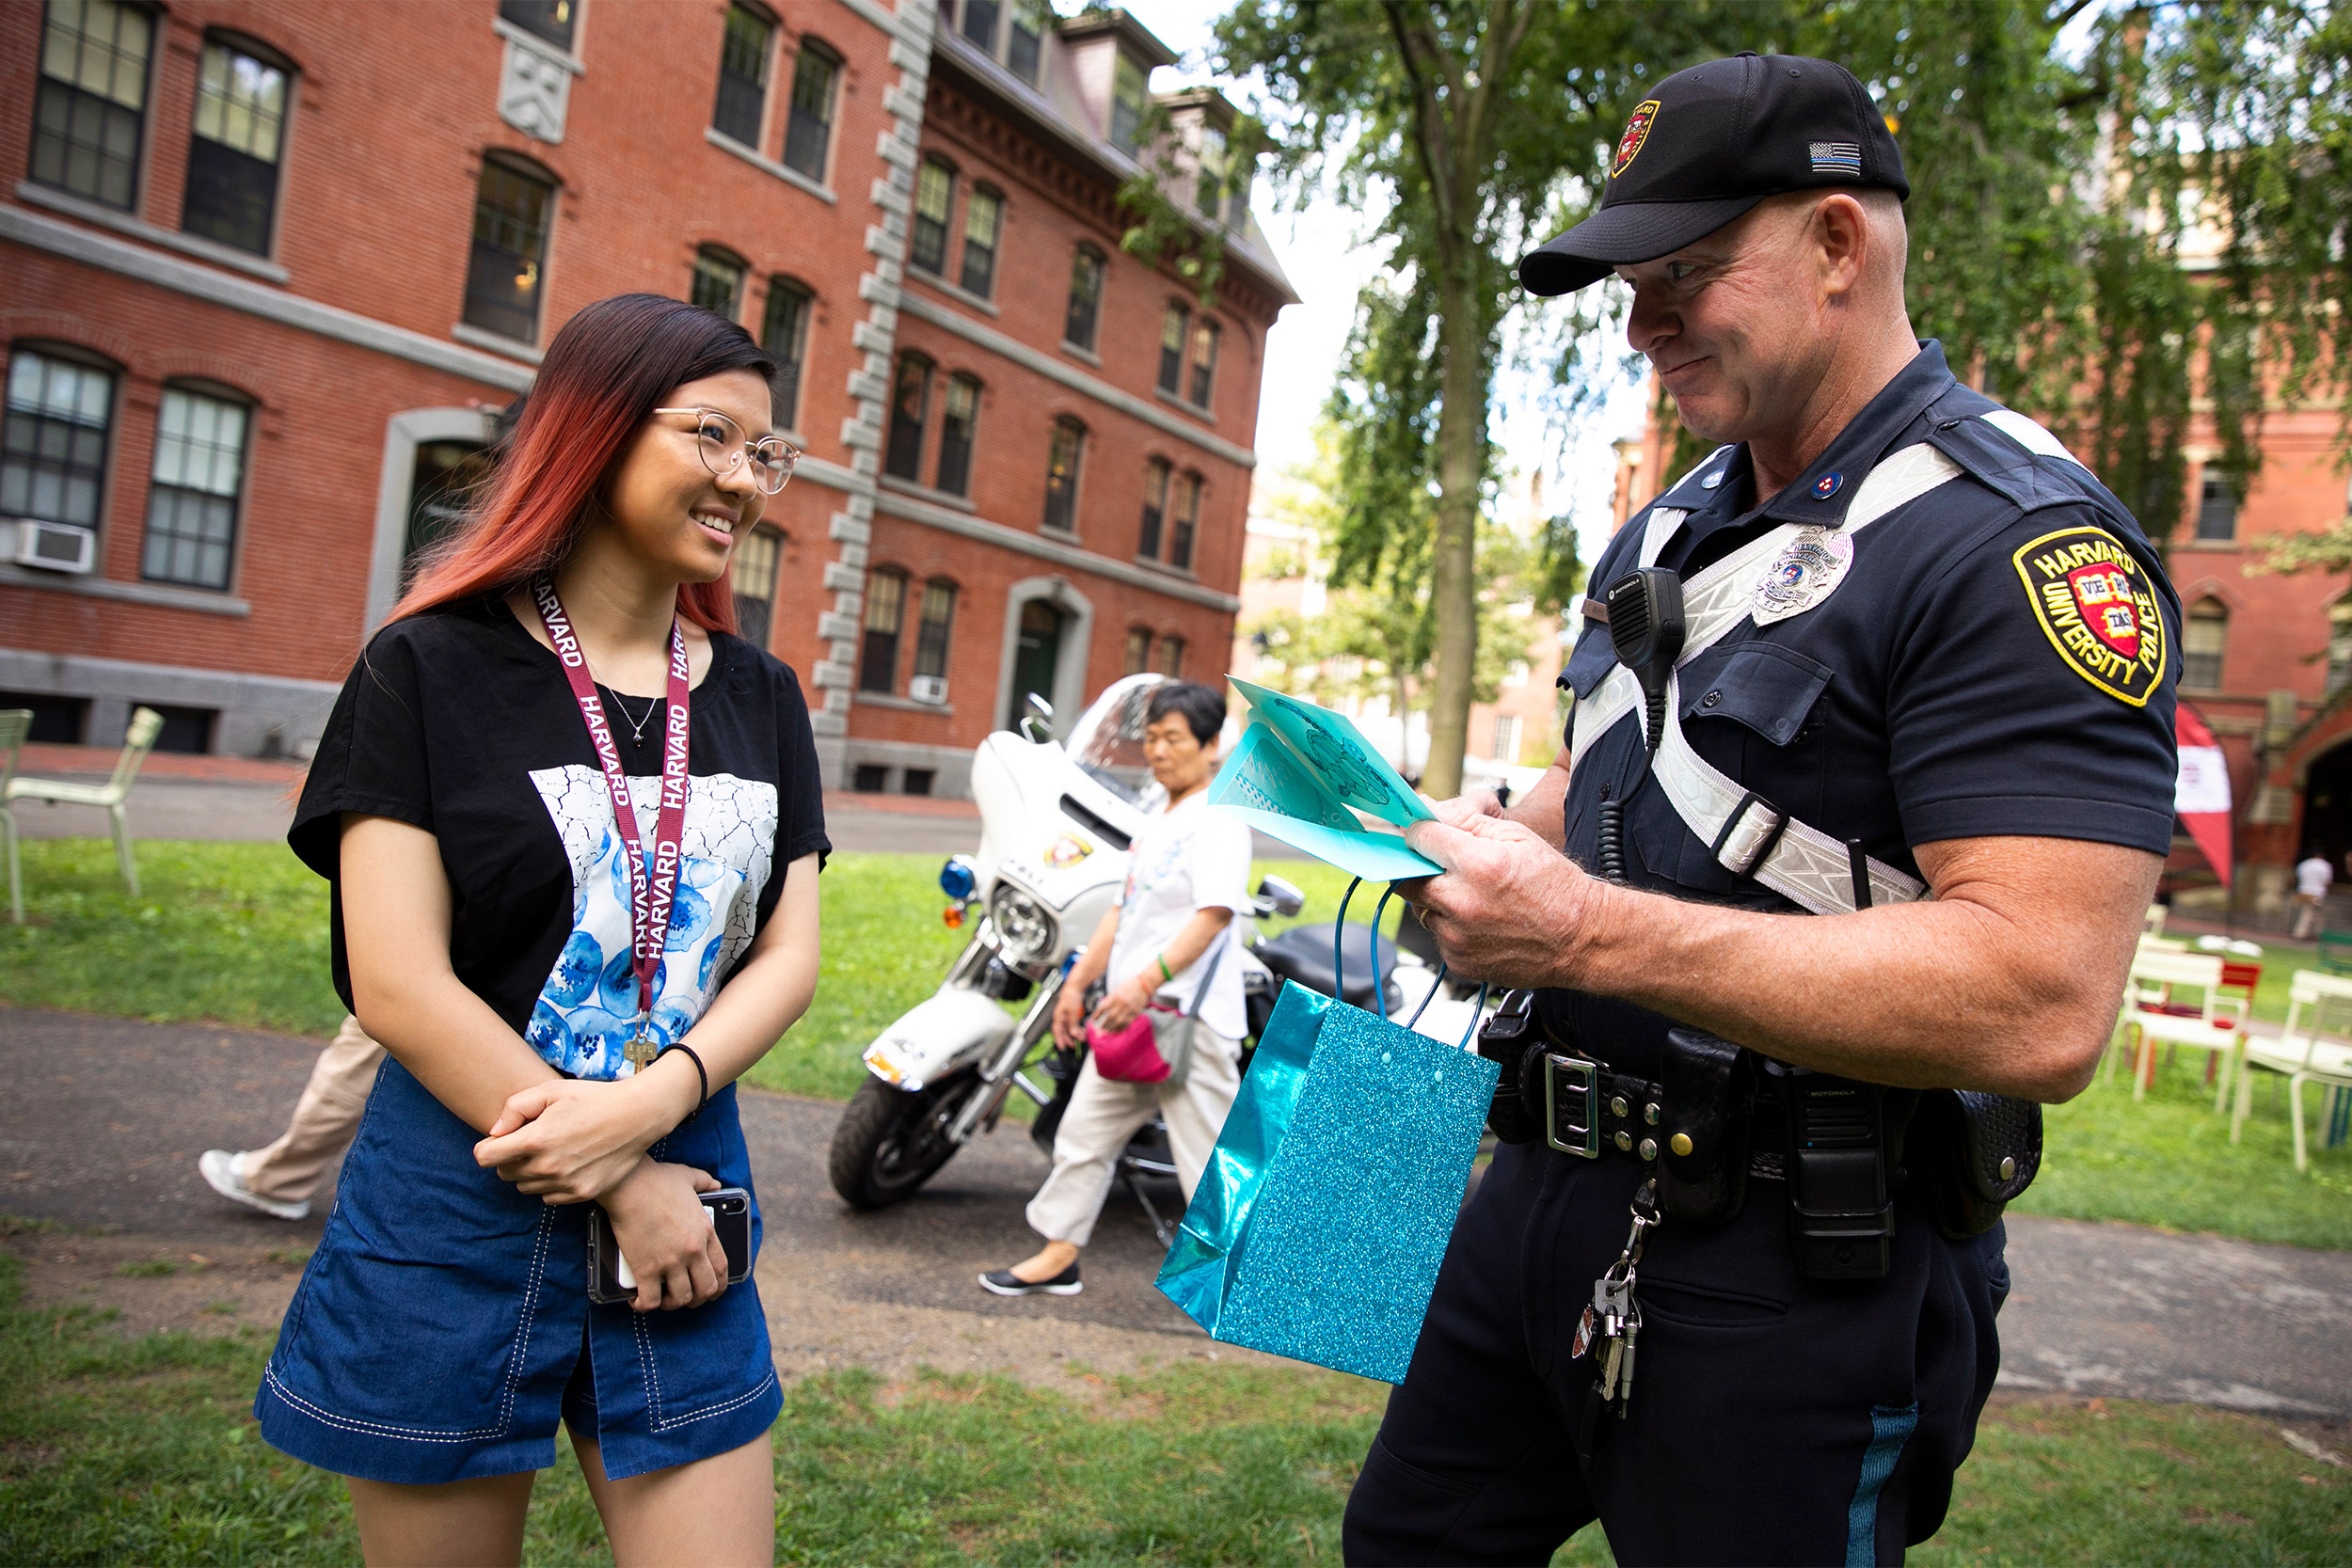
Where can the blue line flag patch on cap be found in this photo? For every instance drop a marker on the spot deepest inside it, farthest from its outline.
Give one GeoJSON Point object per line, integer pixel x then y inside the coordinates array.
{"type": "Point", "coordinates": [1836, 157]}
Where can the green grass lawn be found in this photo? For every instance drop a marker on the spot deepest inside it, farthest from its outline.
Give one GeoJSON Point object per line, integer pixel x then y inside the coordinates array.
{"type": "Point", "coordinates": [237, 933]}
{"type": "Point", "coordinates": [144, 1450]}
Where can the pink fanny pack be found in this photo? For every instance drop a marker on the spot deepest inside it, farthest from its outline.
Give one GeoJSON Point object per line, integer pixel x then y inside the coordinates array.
{"type": "Point", "coordinates": [1155, 1045]}
{"type": "Point", "coordinates": [1135, 1053]}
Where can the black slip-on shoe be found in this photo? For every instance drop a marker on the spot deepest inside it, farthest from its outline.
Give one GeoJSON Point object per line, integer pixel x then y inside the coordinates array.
{"type": "Point", "coordinates": [1004, 1283]}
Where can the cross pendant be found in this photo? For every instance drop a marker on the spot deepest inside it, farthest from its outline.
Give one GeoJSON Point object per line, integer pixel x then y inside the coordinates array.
{"type": "Point", "coordinates": [639, 1054]}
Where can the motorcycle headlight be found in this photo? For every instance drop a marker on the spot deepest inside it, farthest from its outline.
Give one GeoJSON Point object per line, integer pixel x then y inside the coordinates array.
{"type": "Point", "coordinates": [1023, 924]}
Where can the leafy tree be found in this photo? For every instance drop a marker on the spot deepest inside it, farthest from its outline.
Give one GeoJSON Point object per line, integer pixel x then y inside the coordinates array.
{"type": "Point", "coordinates": [1461, 120]}
{"type": "Point", "coordinates": [1373, 640]}
{"type": "Point", "coordinates": [2101, 241]}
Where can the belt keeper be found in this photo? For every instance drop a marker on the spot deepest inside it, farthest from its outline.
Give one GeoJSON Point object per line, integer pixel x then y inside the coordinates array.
{"type": "Point", "coordinates": [1760, 844]}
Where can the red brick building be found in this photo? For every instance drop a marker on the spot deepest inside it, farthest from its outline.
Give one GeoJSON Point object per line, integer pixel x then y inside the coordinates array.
{"type": "Point", "coordinates": [271, 270]}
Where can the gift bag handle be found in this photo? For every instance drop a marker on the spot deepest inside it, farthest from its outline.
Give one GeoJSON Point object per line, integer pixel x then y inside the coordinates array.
{"type": "Point", "coordinates": [1379, 994]}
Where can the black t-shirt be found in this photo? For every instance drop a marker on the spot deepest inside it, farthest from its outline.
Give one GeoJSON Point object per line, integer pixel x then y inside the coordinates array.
{"type": "Point", "coordinates": [460, 723]}
{"type": "Point", "coordinates": [1962, 681]}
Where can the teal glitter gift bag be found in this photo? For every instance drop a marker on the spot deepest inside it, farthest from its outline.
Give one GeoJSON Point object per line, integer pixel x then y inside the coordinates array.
{"type": "Point", "coordinates": [1318, 1226]}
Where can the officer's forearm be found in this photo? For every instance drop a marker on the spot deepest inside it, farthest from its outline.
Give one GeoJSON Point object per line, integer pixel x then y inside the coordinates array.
{"type": "Point", "coordinates": [2008, 980]}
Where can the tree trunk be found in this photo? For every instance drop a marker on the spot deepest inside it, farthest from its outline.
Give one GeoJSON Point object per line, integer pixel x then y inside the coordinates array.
{"type": "Point", "coordinates": [1453, 568]}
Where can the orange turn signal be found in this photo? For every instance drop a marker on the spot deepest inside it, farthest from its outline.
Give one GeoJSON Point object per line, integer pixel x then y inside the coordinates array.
{"type": "Point", "coordinates": [953, 917]}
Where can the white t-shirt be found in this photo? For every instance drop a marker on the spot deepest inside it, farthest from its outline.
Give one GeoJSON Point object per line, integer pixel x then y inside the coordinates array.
{"type": "Point", "coordinates": [1185, 860]}
{"type": "Point", "coordinates": [2312, 876]}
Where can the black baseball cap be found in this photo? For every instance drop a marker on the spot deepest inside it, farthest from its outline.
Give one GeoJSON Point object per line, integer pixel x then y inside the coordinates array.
{"type": "Point", "coordinates": [1708, 144]}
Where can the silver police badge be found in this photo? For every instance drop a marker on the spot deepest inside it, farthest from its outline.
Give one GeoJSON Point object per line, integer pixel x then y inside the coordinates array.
{"type": "Point", "coordinates": [1803, 574]}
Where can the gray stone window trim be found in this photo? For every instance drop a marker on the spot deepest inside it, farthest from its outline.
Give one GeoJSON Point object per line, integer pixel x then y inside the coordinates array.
{"type": "Point", "coordinates": [961, 296]}
{"type": "Point", "coordinates": [792, 177]}
{"type": "Point", "coordinates": [539, 46]}
{"type": "Point", "coordinates": [466, 332]}
{"type": "Point", "coordinates": [123, 222]}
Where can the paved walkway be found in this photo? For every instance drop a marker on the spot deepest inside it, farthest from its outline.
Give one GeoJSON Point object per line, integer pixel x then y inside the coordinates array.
{"type": "Point", "coordinates": [106, 1117]}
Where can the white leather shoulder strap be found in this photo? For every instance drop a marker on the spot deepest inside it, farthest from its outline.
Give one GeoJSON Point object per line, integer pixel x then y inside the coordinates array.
{"type": "Point", "coordinates": [1747, 835]}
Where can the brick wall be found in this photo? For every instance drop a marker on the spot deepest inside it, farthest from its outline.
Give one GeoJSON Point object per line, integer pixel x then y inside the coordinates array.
{"type": "Point", "coordinates": [386, 137]}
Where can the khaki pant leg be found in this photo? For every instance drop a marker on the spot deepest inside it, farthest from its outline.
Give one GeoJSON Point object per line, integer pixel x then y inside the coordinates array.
{"type": "Point", "coordinates": [1102, 1116]}
{"type": "Point", "coordinates": [1197, 1108]}
{"type": "Point", "coordinates": [326, 1119]}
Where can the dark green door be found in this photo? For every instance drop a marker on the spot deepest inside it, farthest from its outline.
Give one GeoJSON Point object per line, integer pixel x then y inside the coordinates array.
{"type": "Point", "coordinates": [1034, 658]}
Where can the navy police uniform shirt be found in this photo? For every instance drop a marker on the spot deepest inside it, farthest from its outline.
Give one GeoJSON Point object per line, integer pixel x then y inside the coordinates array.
{"type": "Point", "coordinates": [1980, 670]}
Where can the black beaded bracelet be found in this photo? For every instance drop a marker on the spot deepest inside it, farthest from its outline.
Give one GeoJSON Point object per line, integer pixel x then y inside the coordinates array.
{"type": "Point", "coordinates": [699, 1072]}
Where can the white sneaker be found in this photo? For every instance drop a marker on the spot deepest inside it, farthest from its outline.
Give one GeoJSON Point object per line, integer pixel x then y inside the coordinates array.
{"type": "Point", "coordinates": [225, 1173]}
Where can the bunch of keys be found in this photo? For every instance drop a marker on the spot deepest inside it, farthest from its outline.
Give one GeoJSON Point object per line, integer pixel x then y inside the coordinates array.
{"type": "Point", "coordinates": [1612, 1325]}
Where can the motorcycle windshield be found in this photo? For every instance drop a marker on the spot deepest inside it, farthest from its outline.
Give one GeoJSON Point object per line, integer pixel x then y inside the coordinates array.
{"type": "Point", "coordinates": [1107, 743]}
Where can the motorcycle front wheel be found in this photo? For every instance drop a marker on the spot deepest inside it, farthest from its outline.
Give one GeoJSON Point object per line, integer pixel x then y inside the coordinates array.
{"type": "Point", "coordinates": [890, 1142]}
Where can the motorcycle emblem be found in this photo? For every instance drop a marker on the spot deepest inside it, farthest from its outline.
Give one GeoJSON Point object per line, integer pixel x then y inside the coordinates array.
{"type": "Point", "coordinates": [1067, 852]}
{"type": "Point", "coordinates": [1636, 133]}
{"type": "Point", "coordinates": [1805, 574]}
{"type": "Point", "coordinates": [2093, 601]}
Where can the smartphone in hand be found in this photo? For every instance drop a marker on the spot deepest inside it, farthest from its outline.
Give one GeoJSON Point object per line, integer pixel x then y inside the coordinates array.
{"type": "Point", "coordinates": [611, 1282]}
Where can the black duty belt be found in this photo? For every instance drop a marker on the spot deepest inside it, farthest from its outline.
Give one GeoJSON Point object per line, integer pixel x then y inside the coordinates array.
{"type": "Point", "coordinates": [1591, 1112]}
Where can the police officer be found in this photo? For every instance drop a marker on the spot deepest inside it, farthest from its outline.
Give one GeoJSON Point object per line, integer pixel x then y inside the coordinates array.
{"type": "Point", "coordinates": [1892, 820]}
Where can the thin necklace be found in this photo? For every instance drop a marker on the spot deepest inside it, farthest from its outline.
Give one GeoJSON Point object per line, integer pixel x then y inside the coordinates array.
{"type": "Point", "coordinates": [637, 726]}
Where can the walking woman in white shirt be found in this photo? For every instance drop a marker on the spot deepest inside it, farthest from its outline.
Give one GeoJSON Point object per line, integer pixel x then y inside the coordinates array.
{"type": "Point", "coordinates": [1187, 874]}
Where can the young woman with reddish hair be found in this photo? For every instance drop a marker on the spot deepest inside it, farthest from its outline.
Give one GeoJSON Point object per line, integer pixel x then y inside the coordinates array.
{"type": "Point", "coordinates": [573, 829]}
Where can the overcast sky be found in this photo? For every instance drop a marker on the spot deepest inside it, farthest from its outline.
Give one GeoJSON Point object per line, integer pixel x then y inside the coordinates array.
{"type": "Point", "coordinates": [1318, 249]}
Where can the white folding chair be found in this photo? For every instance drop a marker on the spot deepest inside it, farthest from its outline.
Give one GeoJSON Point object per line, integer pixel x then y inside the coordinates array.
{"type": "Point", "coordinates": [2151, 924]}
{"type": "Point", "coordinates": [2153, 1005]}
{"type": "Point", "coordinates": [146, 724]}
{"type": "Point", "coordinates": [15, 723]}
{"type": "Point", "coordinates": [2303, 1051]}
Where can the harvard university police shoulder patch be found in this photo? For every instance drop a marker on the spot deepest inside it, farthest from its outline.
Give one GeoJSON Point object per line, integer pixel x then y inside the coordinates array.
{"type": "Point", "coordinates": [2094, 603]}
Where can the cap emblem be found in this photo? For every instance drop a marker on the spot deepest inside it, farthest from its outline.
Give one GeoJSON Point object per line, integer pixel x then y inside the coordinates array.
{"type": "Point", "coordinates": [1636, 133]}
{"type": "Point", "coordinates": [1827, 485]}
{"type": "Point", "coordinates": [1836, 157]}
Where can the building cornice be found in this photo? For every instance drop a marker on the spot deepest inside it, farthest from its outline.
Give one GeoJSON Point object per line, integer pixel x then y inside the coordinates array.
{"type": "Point", "coordinates": [1032, 107]}
{"type": "Point", "coordinates": [149, 265]}
{"type": "Point", "coordinates": [1078, 381]}
{"type": "Point", "coordinates": [891, 504]}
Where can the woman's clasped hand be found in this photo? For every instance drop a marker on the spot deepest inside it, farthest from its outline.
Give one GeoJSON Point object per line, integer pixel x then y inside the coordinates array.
{"type": "Point", "coordinates": [573, 1141]}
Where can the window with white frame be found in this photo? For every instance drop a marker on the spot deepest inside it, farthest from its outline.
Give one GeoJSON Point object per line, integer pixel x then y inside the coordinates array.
{"type": "Point", "coordinates": [192, 506]}
{"type": "Point", "coordinates": [53, 447]}
{"type": "Point", "coordinates": [89, 106]}
{"type": "Point", "coordinates": [808, 132]}
{"type": "Point", "coordinates": [234, 150]}
{"type": "Point", "coordinates": [2203, 638]}
{"type": "Point", "coordinates": [744, 50]}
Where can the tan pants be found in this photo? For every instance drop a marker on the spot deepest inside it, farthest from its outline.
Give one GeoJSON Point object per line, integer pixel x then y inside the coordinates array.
{"type": "Point", "coordinates": [326, 1119]}
{"type": "Point", "coordinates": [1103, 1115]}
{"type": "Point", "coordinates": [2307, 914]}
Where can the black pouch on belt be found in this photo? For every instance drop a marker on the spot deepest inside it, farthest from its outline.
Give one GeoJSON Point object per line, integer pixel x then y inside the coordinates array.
{"type": "Point", "coordinates": [1843, 1142]}
{"type": "Point", "coordinates": [1978, 1153]}
{"type": "Point", "coordinates": [1706, 1099]}
{"type": "Point", "coordinates": [1510, 1040]}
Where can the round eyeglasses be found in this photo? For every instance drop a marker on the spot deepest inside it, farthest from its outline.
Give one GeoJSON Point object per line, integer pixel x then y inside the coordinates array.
{"type": "Point", "coordinates": [723, 447]}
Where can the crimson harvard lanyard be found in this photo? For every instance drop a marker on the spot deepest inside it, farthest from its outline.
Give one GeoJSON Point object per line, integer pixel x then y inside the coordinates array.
{"type": "Point", "coordinates": [651, 889]}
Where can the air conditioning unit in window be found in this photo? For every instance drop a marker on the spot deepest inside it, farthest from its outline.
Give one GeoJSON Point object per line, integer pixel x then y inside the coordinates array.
{"type": "Point", "coordinates": [928, 688]}
{"type": "Point", "coordinates": [57, 546]}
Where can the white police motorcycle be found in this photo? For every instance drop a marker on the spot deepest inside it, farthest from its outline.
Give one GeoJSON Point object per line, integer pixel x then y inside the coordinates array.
{"type": "Point", "coordinates": [1055, 822]}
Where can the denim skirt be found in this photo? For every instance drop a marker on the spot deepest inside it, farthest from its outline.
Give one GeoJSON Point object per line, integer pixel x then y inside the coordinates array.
{"type": "Point", "coordinates": [444, 1315]}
